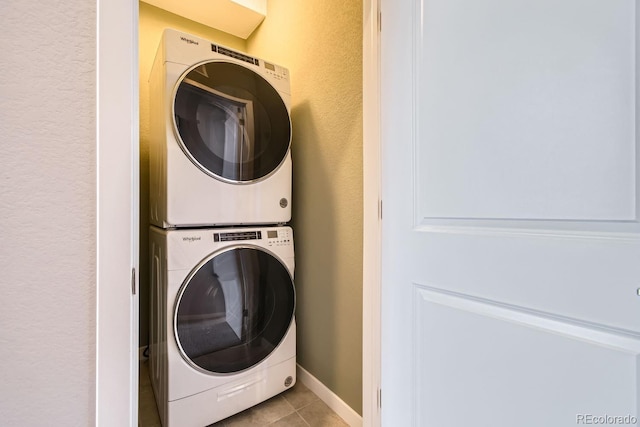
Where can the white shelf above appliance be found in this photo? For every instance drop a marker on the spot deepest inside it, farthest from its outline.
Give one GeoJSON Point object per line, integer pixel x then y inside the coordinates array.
{"type": "Point", "coordinates": [236, 17]}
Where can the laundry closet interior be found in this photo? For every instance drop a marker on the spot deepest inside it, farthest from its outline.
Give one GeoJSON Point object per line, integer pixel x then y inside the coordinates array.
{"type": "Point", "coordinates": [320, 44]}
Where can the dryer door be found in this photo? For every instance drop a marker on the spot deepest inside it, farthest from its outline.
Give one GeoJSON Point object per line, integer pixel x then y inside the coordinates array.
{"type": "Point", "coordinates": [231, 122]}
{"type": "Point", "coordinates": [233, 310]}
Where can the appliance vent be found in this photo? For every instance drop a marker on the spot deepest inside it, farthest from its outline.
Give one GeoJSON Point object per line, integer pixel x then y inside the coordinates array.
{"type": "Point", "coordinates": [243, 235]}
{"type": "Point", "coordinates": [233, 54]}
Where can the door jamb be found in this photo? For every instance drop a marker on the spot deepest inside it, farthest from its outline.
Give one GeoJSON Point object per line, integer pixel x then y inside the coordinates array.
{"type": "Point", "coordinates": [117, 211]}
{"type": "Point", "coordinates": [110, 19]}
{"type": "Point", "coordinates": [372, 215]}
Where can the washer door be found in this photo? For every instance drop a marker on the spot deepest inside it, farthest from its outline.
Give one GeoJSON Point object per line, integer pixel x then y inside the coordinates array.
{"type": "Point", "coordinates": [231, 122]}
{"type": "Point", "coordinates": [233, 310]}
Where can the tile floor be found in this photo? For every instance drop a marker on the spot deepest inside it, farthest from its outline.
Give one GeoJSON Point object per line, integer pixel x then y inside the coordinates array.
{"type": "Point", "coordinates": [297, 407]}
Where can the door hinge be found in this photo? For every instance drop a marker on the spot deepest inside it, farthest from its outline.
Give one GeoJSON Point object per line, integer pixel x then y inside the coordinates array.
{"type": "Point", "coordinates": [380, 209]}
{"type": "Point", "coordinates": [379, 22]}
{"type": "Point", "coordinates": [380, 398]}
{"type": "Point", "coordinates": [133, 281]}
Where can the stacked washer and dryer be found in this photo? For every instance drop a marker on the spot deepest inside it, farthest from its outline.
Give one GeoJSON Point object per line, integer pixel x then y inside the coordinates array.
{"type": "Point", "coordinates": [223, 335]}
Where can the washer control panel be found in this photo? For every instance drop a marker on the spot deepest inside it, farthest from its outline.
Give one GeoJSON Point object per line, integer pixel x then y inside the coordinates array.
{"type": "Point", "coordinates": [278, 237]}
{"type": "Point", "coordinates": [234, 236]}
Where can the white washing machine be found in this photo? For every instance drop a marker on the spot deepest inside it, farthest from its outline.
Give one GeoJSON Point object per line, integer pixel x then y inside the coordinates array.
{"type": "Point", "coordinates": [223, 334]}
{"type": "Point", "coordinates": [219, 149]}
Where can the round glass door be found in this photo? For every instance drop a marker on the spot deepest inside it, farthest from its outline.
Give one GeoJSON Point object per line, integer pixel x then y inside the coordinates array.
{"type": "Point", "coordinates": [231, 122]}
{"type": "Point", "coordinates": [233, 310]}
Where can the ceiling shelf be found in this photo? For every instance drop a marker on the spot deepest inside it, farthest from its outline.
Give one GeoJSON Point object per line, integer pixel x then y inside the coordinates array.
{"type": "Point", "coordinates": [237, 17]}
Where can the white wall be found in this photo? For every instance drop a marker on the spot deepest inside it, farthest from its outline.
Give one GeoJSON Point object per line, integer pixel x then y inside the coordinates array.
{"type": "Point", "coordinates": [47, 211]}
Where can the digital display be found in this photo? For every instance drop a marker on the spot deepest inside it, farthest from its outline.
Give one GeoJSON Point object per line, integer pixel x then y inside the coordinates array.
{"type": "Point", "coordinates": [272, 234]}
{"type": "Point", "coordinates": [269, 66]}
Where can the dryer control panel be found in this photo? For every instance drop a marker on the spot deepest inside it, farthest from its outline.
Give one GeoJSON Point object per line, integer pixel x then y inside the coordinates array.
{"type": "Point", "coordinates": [276, 71]}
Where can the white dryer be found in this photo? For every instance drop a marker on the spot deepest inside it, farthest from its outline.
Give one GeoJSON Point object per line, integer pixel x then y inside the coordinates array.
{"type": "Point", "coordinates": [219, 149]}
{"type": "Point", "coordinates": [223, 334]}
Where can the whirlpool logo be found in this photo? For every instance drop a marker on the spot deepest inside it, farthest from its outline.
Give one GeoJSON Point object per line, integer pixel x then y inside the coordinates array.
{"type": "Point", "coordinates": [191, 239]}
{"type": "Point", "coordinates": [189, 41]}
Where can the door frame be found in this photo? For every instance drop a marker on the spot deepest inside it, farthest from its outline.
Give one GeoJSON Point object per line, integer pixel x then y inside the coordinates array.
{"type": "Point", "coordinates": [117, 212]}
{"type": "Point", "coordinates": [372, 214]}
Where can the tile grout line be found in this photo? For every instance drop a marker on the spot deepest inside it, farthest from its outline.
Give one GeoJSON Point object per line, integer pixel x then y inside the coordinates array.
{"type": "Point", "coordinates": [284, 416]}
{"type": "Point", "coordinates": [303, 418]}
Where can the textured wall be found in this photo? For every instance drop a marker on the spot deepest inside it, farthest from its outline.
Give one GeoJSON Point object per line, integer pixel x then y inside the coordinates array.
{"type": "Point", "coordinates": [321, 43]}
{"type": "Point", "coordinates": [47, 206]}
{"type": "Point", "coordinates": [152, 22]}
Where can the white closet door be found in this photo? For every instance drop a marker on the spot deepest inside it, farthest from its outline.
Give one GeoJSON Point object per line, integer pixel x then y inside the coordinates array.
{"type": "Point", "coordinates": [511, 245]}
